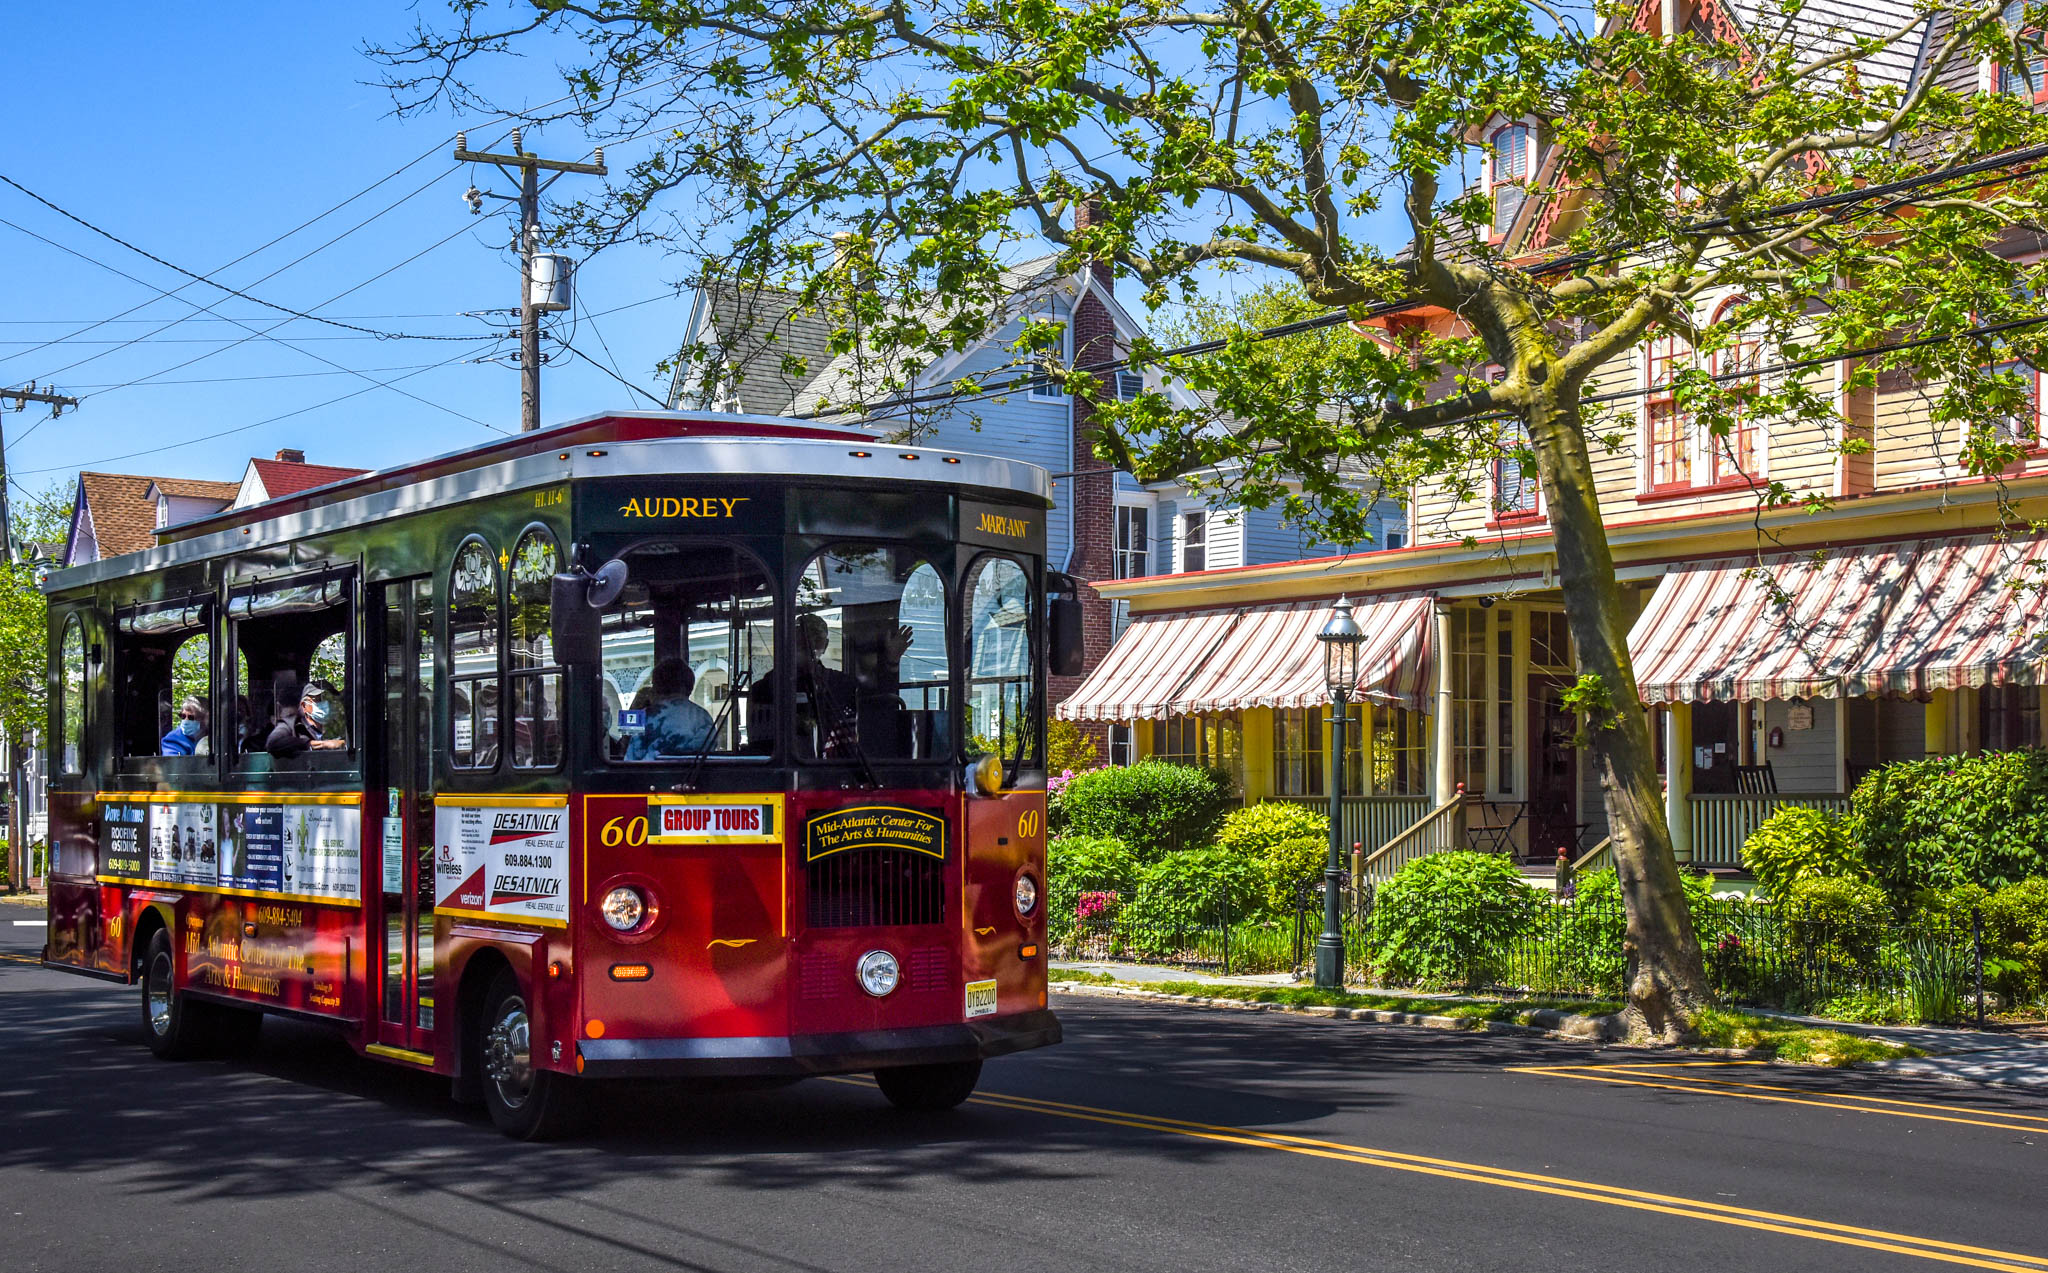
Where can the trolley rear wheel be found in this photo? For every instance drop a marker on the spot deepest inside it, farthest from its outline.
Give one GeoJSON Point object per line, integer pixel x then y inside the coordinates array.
{"type": "Point", "coordinates": [525, 1102]}
{"type": "Point", "coordinates": [929, 1087]}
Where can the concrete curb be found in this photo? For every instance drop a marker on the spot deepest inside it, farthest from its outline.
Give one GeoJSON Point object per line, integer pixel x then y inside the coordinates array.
{"type": "Point", "coordinates": [1545, 1023]}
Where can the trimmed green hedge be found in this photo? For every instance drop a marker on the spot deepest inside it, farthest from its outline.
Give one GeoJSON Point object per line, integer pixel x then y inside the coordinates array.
{"type": "Point", "coordinates": [1449, 919]}
{"type": "Point", "coordinates": [1154, 807]}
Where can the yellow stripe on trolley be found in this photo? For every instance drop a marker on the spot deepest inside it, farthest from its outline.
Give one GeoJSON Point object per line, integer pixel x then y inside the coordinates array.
{"type": "Point", "coordinates": [310, 899]}
{"type": "Point", "coordinates": [503, 802]}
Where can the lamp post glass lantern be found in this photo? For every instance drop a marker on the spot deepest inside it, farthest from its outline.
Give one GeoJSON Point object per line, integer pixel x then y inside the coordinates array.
{"type": "Point", "coordinates": [1341, 638]}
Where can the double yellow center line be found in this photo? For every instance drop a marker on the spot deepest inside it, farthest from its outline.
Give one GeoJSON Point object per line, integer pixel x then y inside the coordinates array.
{"type": "Point", "coordinates": [1658, 1075]}
{"type": "Point", "coordinates": [1532, 1182]}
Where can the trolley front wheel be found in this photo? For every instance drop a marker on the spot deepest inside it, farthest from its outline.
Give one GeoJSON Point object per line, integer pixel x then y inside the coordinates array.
{"type": "Point", "coordinates": [929, 1087]}
{"type": "Point", "coordinates": [525, 1102]}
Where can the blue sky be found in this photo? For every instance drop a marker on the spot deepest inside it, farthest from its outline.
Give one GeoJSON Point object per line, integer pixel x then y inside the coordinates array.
{"type": "Point", "coordinates": [199, 132]}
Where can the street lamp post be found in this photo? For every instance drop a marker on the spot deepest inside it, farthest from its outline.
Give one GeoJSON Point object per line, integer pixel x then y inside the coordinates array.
{"type": "Point", "coordinates": [1341, 638]}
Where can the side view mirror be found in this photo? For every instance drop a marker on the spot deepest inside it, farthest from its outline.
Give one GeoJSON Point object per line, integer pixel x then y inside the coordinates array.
{"type": "Point", "coordinates": [576, 601]}
{"type": "Point", "coordinates": [1065, 651]}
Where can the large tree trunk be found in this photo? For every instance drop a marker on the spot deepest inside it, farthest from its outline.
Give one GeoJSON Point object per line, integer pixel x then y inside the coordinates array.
{"type": "Point", "coordinates": [1667, 981]}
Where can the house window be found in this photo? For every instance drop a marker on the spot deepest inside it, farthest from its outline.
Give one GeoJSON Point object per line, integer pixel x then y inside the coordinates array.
{"type": "Point", "coordinates": [2027, 79]}
{"type": "Point", "coordinates": [1469, 716]}
{"type": "Point", "coordinates": [1669, 429]}
{"type": "Point", "coordinates": [1194, 541]}
{"type": "Point", "coordinates": [1133, 541]}
{"type": "Point", "coordinates": [1298, 751]}
{"type": "Point", "coordinates": [1734, 457]}
{"type": "Point", "coordinates": [2021, 426]}
{"type": "Point", "coordinates": [1209, 742]}
{"type": "Point", "coordinates": [1516, 493]}
{"type": "Point", "coordinates": [1400, 754]}
{"type": "Point", "coordinates": [1129, 385]}
{"type": "Point", "coordinates": [2008, 717]}
{"type": "Point", "coordinates": [1123, 745]}
{"type": "Point", "coordinates": [163, 511]}
{"type": "Point", "coordinates": [1043, 387]}
{"type": "Point", "coordinates": [1511, 146]}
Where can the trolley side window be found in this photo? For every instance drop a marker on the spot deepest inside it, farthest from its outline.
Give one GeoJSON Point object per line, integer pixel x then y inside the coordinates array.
{"type": "Point", "coordinates": [872, 672]}
{"type": "Point", "coordinates": [163, 670]}
{"type": "Point", "coordinates": [687, 648]}
{"type": "Point", "coordinates": [473, 681]}
{"type": "Point", "coordinates": [292, 655]}
{"type": "Point", "coordinates": [1002, 625]}
{"type": "Point", "coordinates": [535, 680]}
{"type": "Point", "coordinates": [71, 695]}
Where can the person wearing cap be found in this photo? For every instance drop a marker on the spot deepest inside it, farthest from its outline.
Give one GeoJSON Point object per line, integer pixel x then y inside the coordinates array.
{"type": "Point", "coordinates": [188, 736]}
{"type": "Point", "coordinates": [306, 729]}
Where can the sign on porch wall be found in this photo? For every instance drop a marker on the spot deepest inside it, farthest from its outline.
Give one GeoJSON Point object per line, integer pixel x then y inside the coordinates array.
{"type": "Point", "coordinates": [1799, 716]}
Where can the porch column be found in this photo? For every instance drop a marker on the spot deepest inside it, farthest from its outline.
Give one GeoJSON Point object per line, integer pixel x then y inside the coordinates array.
{"type": "Point", "coordinates": [1444, 772]}
{"type": "Point", "coordinates": [1259, 782]}
{"type": "Point", "coordinates": [1841, 744]}
{"type": "Point", "coordinates": [1936, 723]}
{"type": "Point", "coordinates": [1678, 778]}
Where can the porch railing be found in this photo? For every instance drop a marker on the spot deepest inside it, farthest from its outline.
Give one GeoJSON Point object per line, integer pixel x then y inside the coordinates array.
{"type": "Point", "coordinates": [1440, 831]}
{"type": "Point", "coordinates": [1599, 857]}
{"type": "Point", "coordinates": [1721, 823]}
{"type": "Point", "coordinates": [1372, 821]}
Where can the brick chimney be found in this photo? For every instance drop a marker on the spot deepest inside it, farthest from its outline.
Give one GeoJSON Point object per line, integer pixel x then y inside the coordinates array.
{"type": "Point", "coordinates": [1093, 487]}
{"type": "Point", "coordinates": [291, 455]}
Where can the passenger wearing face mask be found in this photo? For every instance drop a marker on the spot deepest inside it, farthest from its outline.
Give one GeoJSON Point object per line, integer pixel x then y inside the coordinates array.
{"type": "Point", "coordinates": [188, 736]}
{"type": "Point", "coordinates": [306, 729]}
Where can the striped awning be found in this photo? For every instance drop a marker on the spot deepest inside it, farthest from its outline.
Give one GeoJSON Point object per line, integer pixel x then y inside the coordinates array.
{"type": "Point", "coordinates": [1791, 625]}
{"type": "Point", "coordinates": [1973, 612]}
{"type": "Point", "coordinates": [1260, 656]}
{"type": "Point", "coordinates": [1145, 670]}
{"type": "Point", "coordinates": [1272, 658]}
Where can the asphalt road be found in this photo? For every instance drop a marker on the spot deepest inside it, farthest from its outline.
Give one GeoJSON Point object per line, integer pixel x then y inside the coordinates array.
{"type": "Point", "coordinates": [1156, 1138]}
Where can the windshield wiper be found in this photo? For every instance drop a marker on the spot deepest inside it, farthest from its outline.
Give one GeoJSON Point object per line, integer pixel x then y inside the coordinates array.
{"type": "Point", "coordinates": [697, 761]}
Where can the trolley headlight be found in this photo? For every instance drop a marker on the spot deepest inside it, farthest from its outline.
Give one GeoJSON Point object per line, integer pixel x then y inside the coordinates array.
{"type": "Point", "coordinates": [1025, 894]}
{"type": "Point", "coordinates": [879, 972]}
{"type": "Point", "coordinates": [985, 775]}
{"type": "Point", "coordinates": [623, 908]}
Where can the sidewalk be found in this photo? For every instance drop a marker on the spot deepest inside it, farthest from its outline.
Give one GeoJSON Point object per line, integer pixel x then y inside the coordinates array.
{"type": "Point", "coordinates": [1994, 1057]}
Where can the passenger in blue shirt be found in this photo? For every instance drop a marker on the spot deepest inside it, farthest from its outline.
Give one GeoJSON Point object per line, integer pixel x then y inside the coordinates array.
{"type": "Point", "coordinates": [677, 728]}
{"type": "Point", "coordinates": [188, 736]}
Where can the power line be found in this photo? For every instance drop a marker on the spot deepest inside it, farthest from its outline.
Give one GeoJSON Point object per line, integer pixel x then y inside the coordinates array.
{"type": "Point", "coordinates": [244, 428]}
{"type": "Point", "coordinates": [613, 374]}
{"type": "Point", "coordinates": [111, 237]}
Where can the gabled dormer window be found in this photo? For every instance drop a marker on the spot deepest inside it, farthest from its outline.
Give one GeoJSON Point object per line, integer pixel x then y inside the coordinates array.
{"type": "Point", "coordinates": [2028, 78]}
{"type": "Point", "coordinates": [163, 511]}
{"type": "Point", "coordinates": [1513, 147]}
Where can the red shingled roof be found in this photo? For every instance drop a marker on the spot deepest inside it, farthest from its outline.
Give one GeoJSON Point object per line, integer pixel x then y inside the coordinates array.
{"type": "Point", "coordinates": [282, 477]}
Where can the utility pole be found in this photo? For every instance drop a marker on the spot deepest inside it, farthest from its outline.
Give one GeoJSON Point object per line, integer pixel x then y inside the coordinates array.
{"type": "Point", "coordinates": [22, 397]}
{"type": "Point", "coordinates": [529, 168]}
{"type": "Point", "coordinates": [17, 748]}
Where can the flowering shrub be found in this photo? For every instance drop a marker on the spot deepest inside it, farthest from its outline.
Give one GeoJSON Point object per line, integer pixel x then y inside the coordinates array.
{"type": "Point", "coordinates": [1096, 903]}
{"type": "Point", "coordinates": [1058, 783]}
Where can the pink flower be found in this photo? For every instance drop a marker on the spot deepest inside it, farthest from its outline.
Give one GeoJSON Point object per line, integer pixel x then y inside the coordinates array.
{"type": "Point", "coordinates": [1093, 904]}
{"type": "Point", "coordinates": [1058, 783]}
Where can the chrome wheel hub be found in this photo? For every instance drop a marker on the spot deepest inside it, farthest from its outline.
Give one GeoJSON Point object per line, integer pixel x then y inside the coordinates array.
{"type": "Point", "coordinates": [156, 992]}
{"type": "Point", "coordinates": [508, 1054]}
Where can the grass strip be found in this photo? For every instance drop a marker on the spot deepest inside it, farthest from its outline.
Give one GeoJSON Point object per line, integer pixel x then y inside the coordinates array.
{"type": "Point", "coordinates": [1792, 1041]}
{"type": "Point", "coordinates": [1718, 1028]}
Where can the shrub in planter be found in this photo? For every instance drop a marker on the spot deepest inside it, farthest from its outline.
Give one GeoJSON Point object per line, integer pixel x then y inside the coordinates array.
{"type": "Point", "coordinates": [1187, 891]}
{"type": "Point", "coordinates": [1800, 843]}
{"type": "Point", "coordinates": [1449, 919]}
{"type": "Point", "coordinates": [1153, 807]}
{"type": "Point", "coordinates": [1954, 820]}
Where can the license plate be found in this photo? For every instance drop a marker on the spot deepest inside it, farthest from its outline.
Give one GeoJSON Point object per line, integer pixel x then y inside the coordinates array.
{"type": "Point", "coordinates": [981, 999]}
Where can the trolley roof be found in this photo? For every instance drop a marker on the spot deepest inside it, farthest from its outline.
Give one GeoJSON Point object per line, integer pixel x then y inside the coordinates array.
{"type": "Point", "coordinates": [613, 444]}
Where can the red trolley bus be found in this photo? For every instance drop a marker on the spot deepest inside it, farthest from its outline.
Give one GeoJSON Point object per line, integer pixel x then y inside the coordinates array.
{"type": "Point", "coordinates": [648, 745]}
